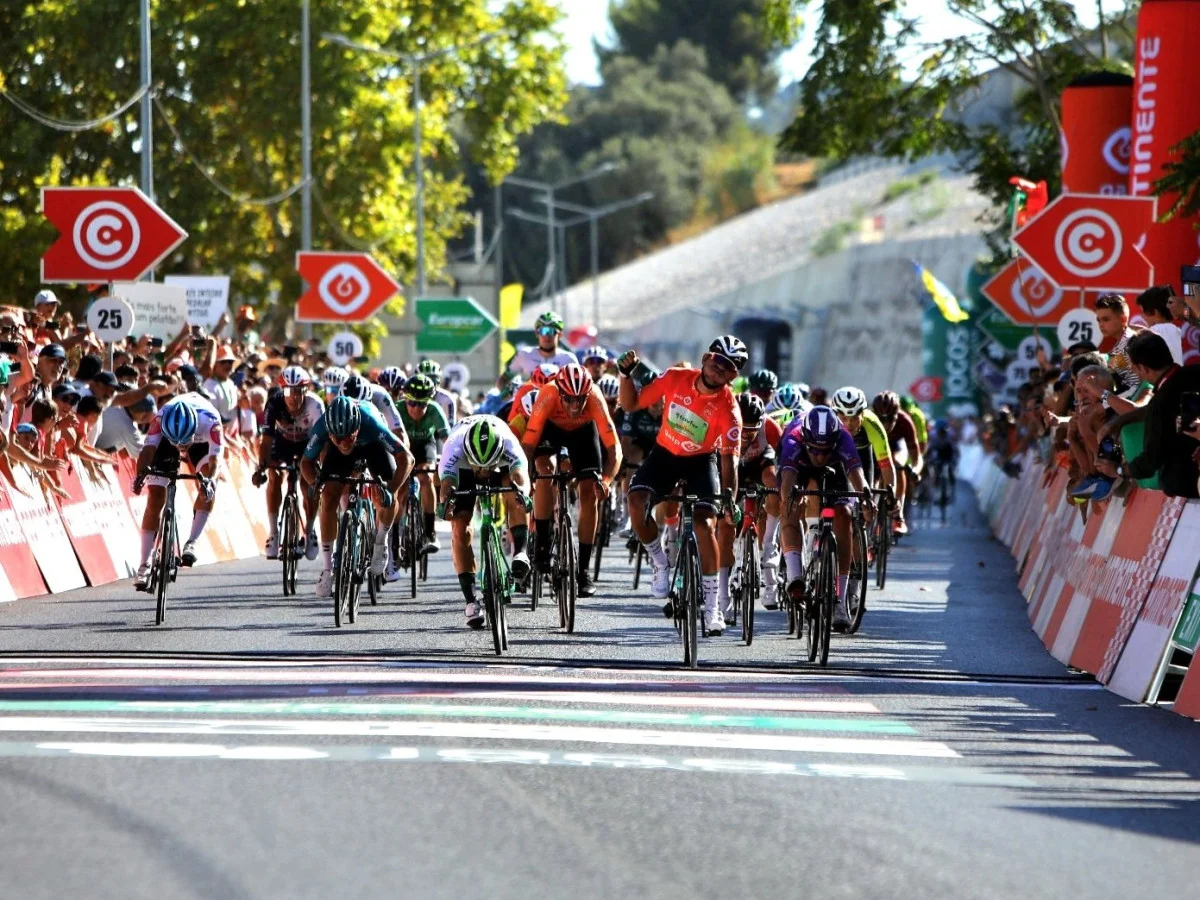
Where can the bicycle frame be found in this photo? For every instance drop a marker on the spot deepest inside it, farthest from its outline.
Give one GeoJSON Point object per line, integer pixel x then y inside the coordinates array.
{"type": "Point", "coordinates": [164, 561]}
{"type": "Point", "coordinates": [497, 584]}
{"type": "Point", "coordinates": [356, 529]}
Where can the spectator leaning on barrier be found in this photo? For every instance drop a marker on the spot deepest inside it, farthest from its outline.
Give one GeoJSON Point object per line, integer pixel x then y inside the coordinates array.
{"type": "Point", "coordinates": [1112, 317]}
{"type": "Point", "coordinates": [1156, 310]}
{"type": "Point", "coordinates": [121, 427]}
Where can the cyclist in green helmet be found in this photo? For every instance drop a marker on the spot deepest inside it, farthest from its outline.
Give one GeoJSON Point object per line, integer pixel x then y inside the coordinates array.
{"type": "Point", "coordinates": [426, 426]}
{"type": "Point", "coordinates": [549, 329]}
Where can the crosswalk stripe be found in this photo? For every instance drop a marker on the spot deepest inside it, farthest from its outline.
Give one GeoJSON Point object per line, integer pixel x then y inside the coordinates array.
{"type": "Point", "coordinates": [564, 734]}
{"type": "Point", "coordinates": [462, 711]}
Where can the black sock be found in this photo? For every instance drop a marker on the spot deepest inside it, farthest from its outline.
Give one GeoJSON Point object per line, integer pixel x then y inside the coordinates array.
{"type": "Point", "coordinates": [585, 556]}
{"type": "Point", "coordinates": [466, 581]}
{"type": "Point", "coordinates": [541, 528]}
{"type": "Point", "coordinates": [430, 519]}
{"type": "Point", "coordinates": [520, 537]}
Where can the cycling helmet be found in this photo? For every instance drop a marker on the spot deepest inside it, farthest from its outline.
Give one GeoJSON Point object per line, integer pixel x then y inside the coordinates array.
{"type": "Point", "coordinates": [419, 389]}
{"type": "Point", "coordinates": [764, 381]}
{"type": "Point", "coordinates": [731, 348]}
{"type": "Point", "coordinates": [484, 447]}
{"type": "Point", "coordinates": [753, 410]}
{"type": "Point", "coordinates": [907, 403]}
{"type": "Point", "coordinates": [431, 368]}
{"type": "Point", "coordinates": [849, 401]}
{"type": "Point", "coordinates": [295, 376]}
{"type": "Point", "coordinates": [529, 401]}
{"type": "Point", "coordinates": [594, 352]}
{"type": "Point", "coordinates": [391, 378]}
{"type": "Point", "coordinates": [550, 319]}
{"type": "Point", "coordinates": [886, 404]}
{"type": "Point", "coordinates": [787, 397]}
{"type": "Point", "coordinates": [820, 428]}
{"type": "Point", "coordinates": [573, 381]}
{"type": "Point", "coordinates": [802, 389]}
{"type": "Point", "coordinates": [179, 423]}
{"type": "Point", "coordinates": [342, 417]}
{"type": "Point", "coordinates": [334, 378]}
{"type": "Point", "coordinates": [356, 388]}
{"type": "Point", "coordinates": [543, 374]}
{"type": "Point", "coordinates": [610, 386]}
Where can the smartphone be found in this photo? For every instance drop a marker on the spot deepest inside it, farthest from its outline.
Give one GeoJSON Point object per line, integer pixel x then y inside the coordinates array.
{"type": "Point", "coordinates": [156, 342]}
{"type": "Point", "coordinates": [1108, 450]}
{"type": "Point", "coordinates": [1190, 276]}
{"type": "Point", "coordinates": [9, 347]}
{"type": "Point", "coordinates": [1189, 409]}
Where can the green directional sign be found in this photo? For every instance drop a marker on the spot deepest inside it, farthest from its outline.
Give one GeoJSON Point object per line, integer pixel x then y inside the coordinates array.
{"type": "Point", "coordinates": [452, 325]}
{"type": "Point", "coordinates": [996, 325]}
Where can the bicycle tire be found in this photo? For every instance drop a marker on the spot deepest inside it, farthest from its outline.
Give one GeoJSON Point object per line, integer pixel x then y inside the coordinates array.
{"type": "Point", "coordinates": [362, 563]}
{"type": "Point", "coordinates": [692, 598]}
{"type": "Point", "coordinates": [343, 572]}
{"type": "Point", "coordinates": [828, 593]}
{"type": "Point", "coordinates": [413, 525]}
{"type": "Point", "coordinates": [493, 600]}
{"type": "Point", "coordinates": [572, 592]}
{"type": "Point", "coordinates": [166, 550]}
{"type": "Point", "coordinates": [639, 555]}
{"type": "Point", "coordinates": [601, 540]}
{"type": "Point", "coordinates": [750, 579]}
{"type": "Point", "coordinates": [809, 613]}
{"type": "Point", "coordinates": [858, 573]}
{"type": "Point", "coordinates": [286, 548]}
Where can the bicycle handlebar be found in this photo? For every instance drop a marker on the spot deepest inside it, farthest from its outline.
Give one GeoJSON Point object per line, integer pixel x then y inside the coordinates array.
{"type": "Point", "coordinates": [485, 491]}
{"type": "Point", "coordinates": [174, 476]}
{"type": "Point", "coordinates": [564, 477]}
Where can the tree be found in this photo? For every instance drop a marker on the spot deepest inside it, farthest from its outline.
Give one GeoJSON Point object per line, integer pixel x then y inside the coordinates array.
{"type": "Point", "coordinates": [875, 89]}
{"type": "Point", "coordinates": [1182, 179]}
{"type": "Point", "coordinates": [739, 40]}
{"type": "Point", "coordinates": [227, 86]}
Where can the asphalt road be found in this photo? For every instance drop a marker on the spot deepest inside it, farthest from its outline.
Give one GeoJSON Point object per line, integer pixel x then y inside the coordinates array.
{"type": "Point", "coordinates": [249, 749]}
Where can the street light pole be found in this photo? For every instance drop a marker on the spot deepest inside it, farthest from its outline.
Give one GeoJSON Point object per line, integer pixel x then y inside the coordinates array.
{"type": "Point", "coordinates": [147, 100]}
{"type": "Point", "coordinates": [305, 126]}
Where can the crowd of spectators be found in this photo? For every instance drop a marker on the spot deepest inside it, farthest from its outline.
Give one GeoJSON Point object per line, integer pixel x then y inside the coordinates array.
{"type": "Point", "coordinates": [66, 399]}
{"type": "Point", "coordinates": [1120, 415]}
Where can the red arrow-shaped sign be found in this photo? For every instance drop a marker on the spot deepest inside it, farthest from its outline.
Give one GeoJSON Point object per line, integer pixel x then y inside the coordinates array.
{"type": "Point", "coordinates": [1091, 242]}
{"type": "Point", "coordinates": [106, 234]}
{"type": "Point", "coordinates": [342, 287]}
{"type": "Point", "coordinates": [1025, 295]}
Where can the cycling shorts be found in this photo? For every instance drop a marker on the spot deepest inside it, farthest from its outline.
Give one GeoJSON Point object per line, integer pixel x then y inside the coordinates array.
{"type": "Point", "coordinates": [284, 451]}
{"type": "Point", "coordinates": [467, 481]}
{"type": "Point", "coordinates": [582, 445]}
{"type": "Point", "coordinates": [810, 479]}
{"type": "Point", "coordinates": [425, 452]}
{"type": "Point", "coordinates": [378, 459]}
{"type": "Point", "coordinates": [167, 455]}
{"type": "Point", "coordinates": [661, 470]}
{"type": "Point", "coordinates": [751, 471]}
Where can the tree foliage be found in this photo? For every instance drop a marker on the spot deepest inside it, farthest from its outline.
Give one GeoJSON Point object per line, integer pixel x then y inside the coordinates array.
{"type": "Point", "coordinates": [226, 75]}
{"type": "Point", "coordinates": [741, 38]}
{"type": "Point", "coordinates": [1181, 180]}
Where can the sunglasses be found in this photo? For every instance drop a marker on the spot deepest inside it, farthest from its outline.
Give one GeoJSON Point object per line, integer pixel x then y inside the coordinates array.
{"type": "Point", "coordinates": [417, 403]}
{"type": "Point", "coordinates": [722, 363]}
{"type": "Point", "coordinates": [547, 331]}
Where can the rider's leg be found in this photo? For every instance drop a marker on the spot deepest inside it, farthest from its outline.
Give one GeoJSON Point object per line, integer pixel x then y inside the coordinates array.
{"type": "Point", "coordinates": [462, 550]}
{"type": "Point", "coordinates": [543, 510]}
{"type": "Point", "coordinates": [589, 506]}
{"type": "Point", "coordinates": [725, 561]}
{"type": "Point", "coordinates": [842, 531]}
{"type": "Point", "coordinates": [274, 499]}
{"type": "Point", "coordinates": [331, 497]}
{"type": "Point", "coordinates": [155, 498]}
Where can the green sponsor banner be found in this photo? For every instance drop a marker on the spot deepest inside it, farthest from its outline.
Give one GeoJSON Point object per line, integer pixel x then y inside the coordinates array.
{"type": "Point", "coordinates": [996, 325]}
{"type": "Point", "coordinates": [1187, 632]}
{"type": "Point", "coordinates": [947, 350]}
{"type": "Point", "coordinates": [452, 325]}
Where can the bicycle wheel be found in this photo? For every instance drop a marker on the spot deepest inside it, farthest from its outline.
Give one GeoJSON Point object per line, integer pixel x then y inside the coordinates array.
{"type": "Point", "coordinates": [691, 597]}
{"type": "Point", "coordinates": [361, 573]}
{"type": "Point", "coordinates": [828, 593]}
{"type": "Point", "coordinates": [572, 585]}
{"type": "Point", "coordinates": [639, 555]}
{"type": "Point", "coordinates": [343, 571]}
{"type": "Point", "coordinates": [856, 605]}
{"type": "Point", "coordinates": [287, 542]}
{"type": "Point", "coordinates": [163, 564]}
{"type": "Point", "coordinates": [601, 539]}
{"type": "Point", "coordinates": [750, 584]}
{"type": "Point", "coordinates": [413, 521]}
{"type": "Point", "coordinates": [943, 497]}
{"type": "Point", "coordinates": [493, 600]}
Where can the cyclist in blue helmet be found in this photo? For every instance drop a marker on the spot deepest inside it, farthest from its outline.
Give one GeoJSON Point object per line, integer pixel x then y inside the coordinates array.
{"type": "Point", "coordinates": [353, 434]}
{"type": "Point", "coordinates": [189, 425]}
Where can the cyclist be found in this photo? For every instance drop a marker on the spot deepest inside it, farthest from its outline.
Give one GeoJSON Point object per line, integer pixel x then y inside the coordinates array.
{"type": "Point", "coordinates": [595, 360]}
{"type": "Point", "coordinates": [906, 451]}
{"type": "Point", "coordinates": [908, 403]}
{"type": "Point", "coordinates": [763, 384]}
{"type": "Point", "coordinates": [392, 379]}
{"type": "Point", "coordinates": [191, 424]}
{"type": "Point", "coordinates": [810, 444]}
{"type": "Point", "coordinates": [333, 378]}
{"type": "Point", "coordinates": [432, 370]}
{"type": "Point", "coordinates": [350, 434]}
{"type": "Point", "coordinates": [541, 376]}
{"type": "Point", "coordinates": [571, 415]}
{"type": "Point", "coordinates": [787, 404]}
{"type": "Point", "coordinates": [549, 329]}
{"type": "Point", "coordinates": [358, 388]}
{"type": "Point", "coordinates": [760, 440]}
{"type": "Point", "coordinates": [701, 420]}
{"type": "Point", "coordinates": [870, 437]}
{"type": "Point", "coordinates": [942, 454]}
{"type": "Point", "coordinates": [482, 450]}
{"type": "Point", "coordinates": [518, 417]}
{"type": "Point", "coordinates": [425, 424]}
{"type": "Point", "coordinates": [290, 414]}
{"type": "Point", "coordinates": [610, 388]}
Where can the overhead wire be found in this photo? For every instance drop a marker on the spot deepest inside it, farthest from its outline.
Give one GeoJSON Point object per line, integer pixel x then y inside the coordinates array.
{"type": "Point", "coordinates": [67, 124]}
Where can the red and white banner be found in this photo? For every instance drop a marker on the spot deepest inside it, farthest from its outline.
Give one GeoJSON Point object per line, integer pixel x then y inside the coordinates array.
{"type": "Point", "coordinates": [85, 528]}
{"type": "Point", "coordinates": [45, 534]}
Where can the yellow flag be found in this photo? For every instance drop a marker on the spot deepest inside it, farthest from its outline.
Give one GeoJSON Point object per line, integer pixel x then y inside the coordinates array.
{"type": "Point", "coordinates": [510, 305]}
{"type": "Point", "coordinates": [942, 296]}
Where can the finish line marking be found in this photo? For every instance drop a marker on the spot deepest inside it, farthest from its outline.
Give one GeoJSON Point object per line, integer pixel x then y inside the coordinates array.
{"type": "Point", "coordinates": [958, 775]}
{"type": "Point", "coordinates": [563, 734]}
{"type": "Point", "coordinates": [461, 711]}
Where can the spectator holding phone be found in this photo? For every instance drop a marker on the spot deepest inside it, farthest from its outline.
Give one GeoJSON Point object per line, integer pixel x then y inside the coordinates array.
{"type": "Point", "coordinates": [1170, 417]}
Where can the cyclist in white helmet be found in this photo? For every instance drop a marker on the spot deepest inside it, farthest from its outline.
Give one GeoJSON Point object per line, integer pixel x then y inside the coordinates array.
{"type": "Point", "coordinates": [333, 378]}
{"type": "Point", "coordinates": [444, 398]}
{"type": "Point", "coordinates": [357, 387]}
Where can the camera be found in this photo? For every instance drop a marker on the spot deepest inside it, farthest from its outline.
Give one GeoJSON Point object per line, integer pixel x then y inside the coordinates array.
{"type": "Point", "coordinates": [1109, 450]}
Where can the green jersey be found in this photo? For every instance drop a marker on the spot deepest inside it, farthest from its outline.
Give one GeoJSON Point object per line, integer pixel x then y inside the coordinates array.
{"type": "Point", "coordinates": [431, 426]}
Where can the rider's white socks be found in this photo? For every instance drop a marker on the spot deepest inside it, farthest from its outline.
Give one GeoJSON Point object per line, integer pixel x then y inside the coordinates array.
{"type": "Point", "coordinates": [657, 554]}
{"type": "Point", "coordinates": [723, 583]}
{"type": "Point", "coordinates": [148, 545]}
{"type": "Point", "coordinates": [771, 537]}
{"type": "Point", "coordinates": [795, 564]}
{"type": "Point", "coordinates": [199, 520]}
{"type": "Point", "coordinates": [709, 584]}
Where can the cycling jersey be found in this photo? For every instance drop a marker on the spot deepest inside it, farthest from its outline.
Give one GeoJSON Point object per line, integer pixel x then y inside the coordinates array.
{"type": "Point", "coordinates": [872, 434]}
{"type": "Point", "coordinates": [920, 423]}
{"type": "Point", "coordinates": [431, 426]}
{"type": "Point", "coordinates": [641, 427]}
{"type": "Point", "coordinates": [793, 454]}
{"type": "Point", "coordinates": [208, 422]}
{"type": "Point", "coordinates": [531, 357]}
{"type": "Point", "coordinates": [781, 417]}
{"type": "Point", "coordinates": [903, 431]}
{"type": "Point", "coordinates": [942, 449]}
{"type": "Point", "coordinates": [765, 443]}
{"type": "Point", "coordinates": [550, 410]}
{"type": "Point", "coordinates": [382, 401]}
{"type": "Point", "coordinates": [454, 458]}
{"type": "Point", "coordinates": [694, 423]}
{"type": "Point", "coordinates": [519, 395]}
{"type": "Point", "coordinates": [285, 425]}
{"type": "Point", "coordinates": [447, 402]}
{"type": "Point", "coordinates": [374, 430]}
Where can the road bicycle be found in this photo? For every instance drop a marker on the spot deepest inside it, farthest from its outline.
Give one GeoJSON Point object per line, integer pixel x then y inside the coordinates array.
{"type": "Point", "coordinates": [165, 560]}
{"type": "Point", "coordinates": [942, 488]}
{"type": "Point", "coordinates": [687, 587]}
{"type": "Point", "coordinates": [745, 582]}
{"type": "Point", "coordinates": [820, 576]}
{"type": "Point", "coordinates": [291, 528]}
{"type": "Point", "coordinates": [610, 514]}
{"type": "Point", "coordinates": [354, 548]}
{"type": "Point", "coordinates": [497, 583]}
{"type": "Point", "coordinates": [881, 534]}
{"type": "Point", "coordinates": [408, 536]}
{"type": "Point", "coordinates": [564, 550]}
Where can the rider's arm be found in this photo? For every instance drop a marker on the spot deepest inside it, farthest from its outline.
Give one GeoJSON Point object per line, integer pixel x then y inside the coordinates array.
{"type": "Point", "coordinates": [607, 430]}
{"type": "Point", "coordinates": [145, 457]}
{"type": "Point", "coordinates": [546, 402]}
